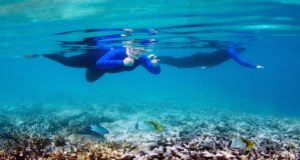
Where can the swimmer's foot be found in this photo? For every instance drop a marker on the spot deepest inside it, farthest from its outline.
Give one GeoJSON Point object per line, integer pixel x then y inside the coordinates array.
{"type": "Point", "coordinates": [58, 54]}
{"type": "Point", "coordinates": [31, 56]}
{"type": "Point", "coordinates": [53, 56]}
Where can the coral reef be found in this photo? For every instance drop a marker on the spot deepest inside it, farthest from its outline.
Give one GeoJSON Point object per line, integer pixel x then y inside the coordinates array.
{"type": "Point", "coordinates": [196, 134]}
{"type": "Point", "coordinates": [212, 147]}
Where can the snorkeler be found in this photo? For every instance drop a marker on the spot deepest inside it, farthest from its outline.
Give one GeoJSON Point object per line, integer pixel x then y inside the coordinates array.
{"type": "Point", "coordinates": [206, 60]}
{"type": "Point", "coordinates": [108, 60]}
{"type": "Point", "coordinates": [100, 60]}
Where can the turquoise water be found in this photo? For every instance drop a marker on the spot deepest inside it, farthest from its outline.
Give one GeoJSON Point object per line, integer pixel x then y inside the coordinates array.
{"type": "Point", "coordinates": [50, 111]}
{"type": "Point", "coordinates": [269, 30]}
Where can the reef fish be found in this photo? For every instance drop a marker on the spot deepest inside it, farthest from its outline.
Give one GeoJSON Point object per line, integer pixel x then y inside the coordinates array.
{"type": "Point", "coordinates": [249, 144]}
{"type": "Point", "coordinates": [155, 125]}
{"type": "Point", "coordinates": [99, 129]}
{"type": "Point", "coordinates": [242, 143]}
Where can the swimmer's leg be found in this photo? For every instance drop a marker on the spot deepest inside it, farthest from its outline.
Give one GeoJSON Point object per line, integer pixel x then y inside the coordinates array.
{"type": "Point", "coordinates": [167, 60]}
{"type": "Point", "coordinates": [80, 61]}
{"type": "Point", "coordinates": [92, 74]}
{"type": "Point", "coordinates": [172, 61]}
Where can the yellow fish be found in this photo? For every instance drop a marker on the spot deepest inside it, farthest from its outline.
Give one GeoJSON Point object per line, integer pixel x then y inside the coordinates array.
{"type": "Point", "coordinates": [249, 144]}
{"type": "Point", "coordinates": [156, 125]}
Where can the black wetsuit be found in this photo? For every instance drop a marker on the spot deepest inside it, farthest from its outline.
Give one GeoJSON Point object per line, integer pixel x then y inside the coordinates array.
{"type": "Point", "coordinates": [208, 59]}
{"type": "Point", "coordinates": [196, 60]}
{"type": "Point", "coordinates": [86, 60]}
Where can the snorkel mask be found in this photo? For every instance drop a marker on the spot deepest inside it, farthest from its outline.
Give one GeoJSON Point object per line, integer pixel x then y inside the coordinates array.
{"type": "Point", "coordinates": [135, 52]}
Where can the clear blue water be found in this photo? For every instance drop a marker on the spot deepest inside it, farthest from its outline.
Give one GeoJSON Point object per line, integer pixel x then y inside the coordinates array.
{"type": "Point", "coordinates": [269, 30]}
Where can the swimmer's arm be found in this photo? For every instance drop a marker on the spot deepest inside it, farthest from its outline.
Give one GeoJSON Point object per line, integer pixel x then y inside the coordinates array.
{"type": "Point", "coordinates": [234, 55]}
{"type": "Point", "coordinates": [108, 60]}
{"type": "Point", "coordinates": [146, 62]}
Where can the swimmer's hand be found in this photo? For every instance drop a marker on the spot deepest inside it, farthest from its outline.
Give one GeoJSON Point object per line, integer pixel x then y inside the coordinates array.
{"type": "Point", "coordinates": [260, 67]}
{"type": "Point", "coordinates": [154, 59]}
{"type": "Point", "coordinates": [128, 30]}
{"type": "Point", "coordinates": [128, 61]}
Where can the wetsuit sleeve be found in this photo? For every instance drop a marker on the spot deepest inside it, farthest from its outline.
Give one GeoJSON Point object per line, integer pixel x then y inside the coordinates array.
{"type": "Point", "coordinates": [146, 62]}
{"type": "Point", "coordinates": [109, 60]}
{"type": "Point", "coordinates": [233, 54]}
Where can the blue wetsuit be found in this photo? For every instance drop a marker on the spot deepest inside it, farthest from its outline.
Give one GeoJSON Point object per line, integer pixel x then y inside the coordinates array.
{"type": "Point", "coordinates": [233, 54]}
{"type": "Point", "coordinates": [101, 61]}
{"type": "Point", "coordinates": [113, 62]}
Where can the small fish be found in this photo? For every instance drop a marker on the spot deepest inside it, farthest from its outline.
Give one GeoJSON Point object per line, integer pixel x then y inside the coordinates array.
{"type": "Point", "coordinates": [242, 143]}
{"type": "Point", "coordinates": [99, 129]}
{"type": "Point", "coordinates": [155, 125]}
{"type": "Point", "coordinates": [137, 126]}
{"type": "Point", "coordinates": [143, 126]}
{"type": "Point", "coordinates": [249, 144]}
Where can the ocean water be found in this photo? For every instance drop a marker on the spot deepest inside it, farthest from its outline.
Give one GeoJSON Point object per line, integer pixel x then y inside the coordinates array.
{"type": "Point", "coordinates": [269, 30]}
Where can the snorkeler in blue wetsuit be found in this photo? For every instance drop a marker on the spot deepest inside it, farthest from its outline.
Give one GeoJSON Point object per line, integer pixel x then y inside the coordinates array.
{"type": "Point", "coordinates": [108, 60]}
{"type": "Point", "coordinates": [101, 60]}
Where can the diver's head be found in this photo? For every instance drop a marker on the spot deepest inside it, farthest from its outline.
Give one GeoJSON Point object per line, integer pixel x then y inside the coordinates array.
{"type": "Point", "coordinates": [135, 52]}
